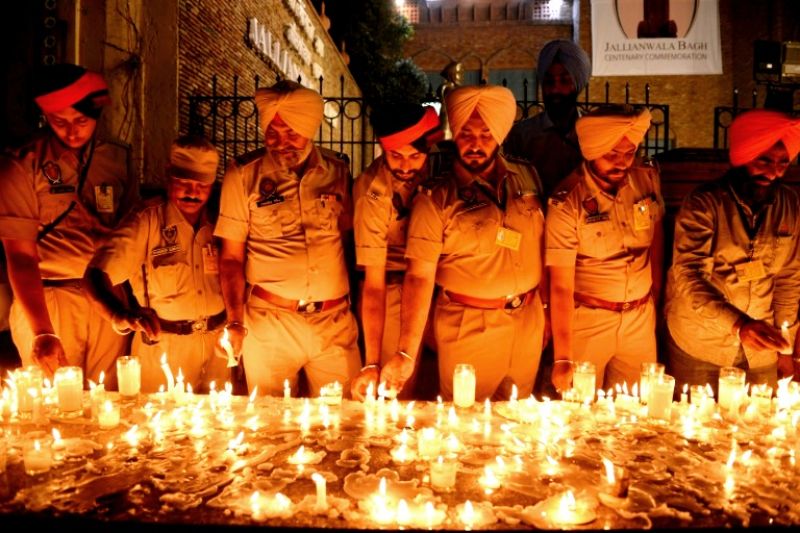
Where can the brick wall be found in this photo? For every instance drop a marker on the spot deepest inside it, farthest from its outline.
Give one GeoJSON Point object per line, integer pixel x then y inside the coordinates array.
{"type": "Point", "coordinates": [212, 42]}
{"type": "Point", "coordinates": [507, 44]}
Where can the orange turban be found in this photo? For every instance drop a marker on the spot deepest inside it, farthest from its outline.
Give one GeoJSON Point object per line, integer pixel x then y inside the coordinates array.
{"type": "Point", "coordinates": [755, 132]}
{"type": "Point", "coordinates": [496, 106]}
{"type": "Point", "coordinates": [299, 108]}
{"type": "Point", "coordinates": [599, 134]}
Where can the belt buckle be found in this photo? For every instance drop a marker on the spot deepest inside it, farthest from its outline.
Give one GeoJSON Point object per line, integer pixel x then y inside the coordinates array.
{"type": "Point", "coordinates": [308, 307]}
{"type": "Point", "coordinates": [513, 302]}
{"type": "Point", "coordinates": [626, 306]}
{"type": "Point", "coordinates": [200, 325]}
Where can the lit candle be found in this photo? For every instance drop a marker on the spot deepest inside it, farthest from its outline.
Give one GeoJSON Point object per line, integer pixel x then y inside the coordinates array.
{"type": "Point", "coordinates": [731, 382]}
{"type": "Point", "coordinates": [24, 379]}
{"type": "Point", "coordinates": [287, 390]}
{"type": "Point", "coordinates": [320, 483]}
{"type": "Point", "coordinates": [331, 393]}
{"type": "Point", "coordinates": [129, 376]}
{"type": "Point", "coordinates": [464, 385]}
{"type": "Point", "coordinates": [488, 480]}
{"type": "Point", "coordinates": [583, 381]}
{"type": "Point", "coordinates": [429, 442]}
{"type": "Point", "coordinates": [250, 405]}
{"type": "Point", "coordinates": [487, 409]}
{"type": "Point", "coordinates": [662, 389]}
{"type": "Point", "coordinates": [96, 396]}
{"type": "Point", "coordinates": [108, 417]}
{"type": "Point", "coordinates": [225, 342]}
{"type": "Point", "coordinates": [443, 474]}
{"type": "Point", "coordinates": [684, 394]}
{"type": "Point", "coordinates": [37, 457]}
{"type": "Point", "coordinates": [69, 384]}
{"type": "Point", "coordinates": [167, 373]}
{"type": "Point", "coordinates": [178, 391]}
{"type": "Point", "coordinates": [403, 515]}
{"type": "Point", "coordinates": [467, 515]}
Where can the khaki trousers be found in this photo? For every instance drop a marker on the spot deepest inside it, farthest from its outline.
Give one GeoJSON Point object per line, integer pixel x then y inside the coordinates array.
{"type": "Point", "coordinates": [88, 339]}
{"type": "Point", "coordinates": [504, 346]}
{"type": "Point", "coordinates": [281, 342]}
{"type": "Point", "coordinates": [617, 343]}
{"type": "Point", "coordinates": [197, 356]}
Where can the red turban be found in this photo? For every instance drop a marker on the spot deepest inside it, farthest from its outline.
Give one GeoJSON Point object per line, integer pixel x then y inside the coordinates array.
{"type": "Point", "coordinates": [755, 132]}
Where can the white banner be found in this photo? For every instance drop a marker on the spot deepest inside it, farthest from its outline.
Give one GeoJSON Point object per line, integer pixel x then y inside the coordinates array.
{"type": "Point", "coordinates": [655, 37]}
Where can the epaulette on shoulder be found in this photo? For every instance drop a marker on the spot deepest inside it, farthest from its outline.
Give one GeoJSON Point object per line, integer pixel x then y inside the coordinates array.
{"type": "Point", "coordinates": [334, 156]}
{"type": "Point", "coordinates": [562, 190]}
{"type": "Point", "coordinates": [249, 157]}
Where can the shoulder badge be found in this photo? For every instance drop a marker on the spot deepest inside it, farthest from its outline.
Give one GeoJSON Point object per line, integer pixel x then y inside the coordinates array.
{"type": "Point", "coordinates": [52, 172]}
{"type": "Point", "coordinates": [591, 206]}
{"type": "Point", "coordinates": [170, 234]}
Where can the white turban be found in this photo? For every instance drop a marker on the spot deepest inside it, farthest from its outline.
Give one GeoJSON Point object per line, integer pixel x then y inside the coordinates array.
{"type": "Point", "coordinates": [569, 54]}
{"type": "Point", "coordinates": [300, 108]}
{"type": "Point", "coordinates": [495, 105]}
{"type": "Point", "coordinates": [599, 134]}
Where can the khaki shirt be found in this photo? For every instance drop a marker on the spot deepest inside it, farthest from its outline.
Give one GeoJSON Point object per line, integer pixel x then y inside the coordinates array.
{"type": "Point", "coordinates": [39, 182]}
{"type": "Point", "coordinates": [292, 225]}
{"type": "Point", "coordinates": [606, 238]}
{"type": "Point", "coordinates": [456, 225]}
{"type": "Point", "coordinates": [182, 265]}
{"type": "Point", "coordinates": [553, 155]}
{"type": "Point", "coordinates": [705, 295]}
{"type": "Point", "coordinates": [382, 210]}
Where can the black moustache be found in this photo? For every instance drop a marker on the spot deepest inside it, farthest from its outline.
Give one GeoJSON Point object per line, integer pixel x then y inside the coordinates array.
{"type": "Point", "coordinates": [475, 152]}
{"type": "Point", "coordinates": [191, 200]}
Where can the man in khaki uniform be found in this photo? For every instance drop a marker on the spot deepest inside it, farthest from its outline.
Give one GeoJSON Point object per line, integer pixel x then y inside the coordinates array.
{"type": "Point", "coordinates": [478, 234]}
{"type": "Point", "coordinates": [60, 195]}
{"type": "Point", "coordinates": [735, 275]}
{"type": "Point", "coordinates": [166, 250]}
{"type": "Point", "coordinates": [284, 218]}
{"type": "Point", "coordinates": [604, 249]}
{"type": "Point", "coordinates": [382, 197]}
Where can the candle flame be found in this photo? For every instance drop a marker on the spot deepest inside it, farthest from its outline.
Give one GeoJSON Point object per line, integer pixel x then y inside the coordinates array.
{"type": "Point", "coordinates": [468, 514]}
{"type": "Point", "coordinates": [253, 394]}
{"type": "Point", "coordinates": [37, 446]}
{"type": "Point", "coordinates": [282, 501]}
{"type": "Point", "coordinates": [179, 377]}
{"type": "Point", "coordinates": [164, 358]}
{"type": "Point", "coordinates": [382, 487]}
{"type": "Point", "coordinates": [635, 390]}
{"type": "Point", "coordinates": [514, 393]}
{"type": "Point", "coordinates": [403, 516]}
{"type": "Point", "coordinates": [567, 504]}
{"type": "Point", "coordinates": [189, 389]}
{"type": "Point", "coordinates": [56, 435]}
{"type": "Point", "coordinates": [371, 390]}
{"type": "Point", "coordinates": [610, 477]}
{"type": "Point", "coordinates": [685, 388]}
{"type": "Point", "coordinates": [731, 456]}
{"type": "Point", "coordinates": [108, 406]}
{"type": "Point", "coordinates": [102, 377]}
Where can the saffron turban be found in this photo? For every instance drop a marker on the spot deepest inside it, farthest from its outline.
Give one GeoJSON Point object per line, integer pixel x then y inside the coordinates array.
{"type": "Point", "coordinates": [755, 132]}
{"type": "Point", "coordinates": [193, 158]}
{"type": "Point", "coordinates": [599, 134]}
{"type": "Point", "coordinates": [58, 87]}
{"type": "Point", "coordinates": [569, 54]}
{"type": "Point", "coordinates": [403, 124]}
{"type": "Point", "coordinates": [495, 105]}
{"type": "Point", "coordinates": [300, 108]}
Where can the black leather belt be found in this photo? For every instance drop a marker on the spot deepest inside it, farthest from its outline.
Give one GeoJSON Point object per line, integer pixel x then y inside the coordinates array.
{"type": "Point", "coordinates": [187, 327]}
{"type": "Point", "coordinates": [75, 282]}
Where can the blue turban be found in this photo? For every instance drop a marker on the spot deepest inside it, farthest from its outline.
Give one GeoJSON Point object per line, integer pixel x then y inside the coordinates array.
{"type": "Point", "coordinates": [569, 54]}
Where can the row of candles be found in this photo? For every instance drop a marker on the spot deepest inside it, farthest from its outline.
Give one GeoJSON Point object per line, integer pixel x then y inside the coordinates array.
{"type": "Point", "coordinates": [438, 446]}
